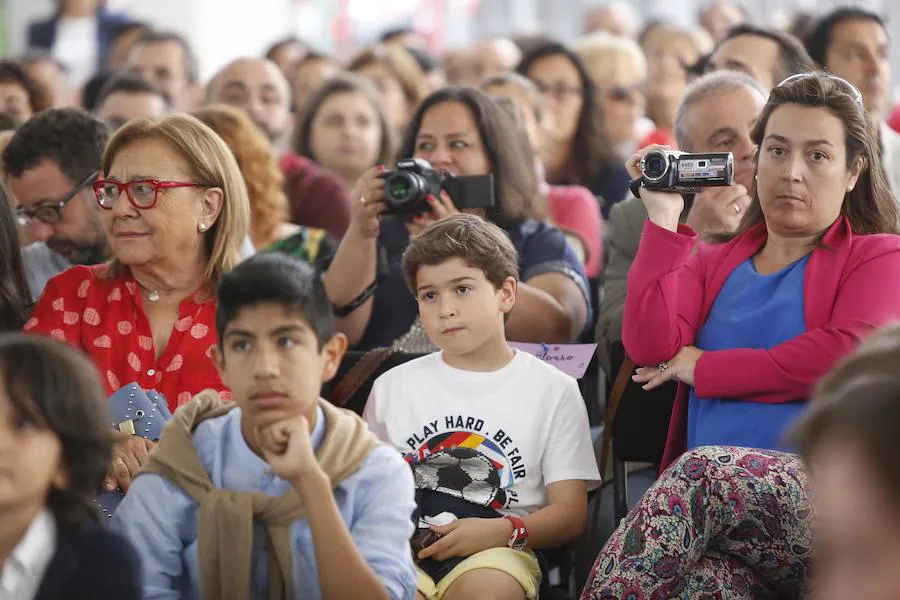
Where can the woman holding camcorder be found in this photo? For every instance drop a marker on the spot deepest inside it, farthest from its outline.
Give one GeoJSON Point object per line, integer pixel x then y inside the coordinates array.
{"type": "Point", "coordinates": [748, 322]}
{"type": "Point", "coordinates": [459, 132]}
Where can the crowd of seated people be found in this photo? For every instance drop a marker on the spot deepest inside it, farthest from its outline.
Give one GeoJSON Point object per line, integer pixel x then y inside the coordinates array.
{"type": "Point", "coordinates": [209, 254]}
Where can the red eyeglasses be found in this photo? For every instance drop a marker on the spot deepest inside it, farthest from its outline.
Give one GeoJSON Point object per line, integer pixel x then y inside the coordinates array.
{"type": "Point", "coordinates": [141, 193]}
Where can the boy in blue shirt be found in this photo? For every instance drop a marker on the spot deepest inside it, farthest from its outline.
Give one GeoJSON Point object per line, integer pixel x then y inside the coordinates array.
{"type": "Point", "coordinates": [280, 494]}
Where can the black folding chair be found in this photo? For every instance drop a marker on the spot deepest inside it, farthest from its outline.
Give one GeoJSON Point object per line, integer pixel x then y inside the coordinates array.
{"type": "Point", "coordinates": [637, 422]}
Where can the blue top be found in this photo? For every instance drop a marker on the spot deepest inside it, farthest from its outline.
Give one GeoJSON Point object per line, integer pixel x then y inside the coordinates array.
{"type": "Point", "coordinates": [751, 311]}
{"type": "Point", "coordinates": [542, 249]}
{"type": "Point", "coordinates": [376, 502]}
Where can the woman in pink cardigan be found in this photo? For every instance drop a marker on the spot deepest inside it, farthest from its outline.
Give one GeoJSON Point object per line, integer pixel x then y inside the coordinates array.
{"type": "Point", "coordinates": [748, 324]}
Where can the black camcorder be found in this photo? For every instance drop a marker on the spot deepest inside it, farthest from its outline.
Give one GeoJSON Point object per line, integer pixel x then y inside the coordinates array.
{"type": "Point", "coordinates": [406, 190]}
{"type": "Point", "coordinates": [669, 170]}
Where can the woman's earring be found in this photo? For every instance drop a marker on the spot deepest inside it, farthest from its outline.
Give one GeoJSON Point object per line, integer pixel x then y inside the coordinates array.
{"type": "Point", "coordinates": [202, 227]}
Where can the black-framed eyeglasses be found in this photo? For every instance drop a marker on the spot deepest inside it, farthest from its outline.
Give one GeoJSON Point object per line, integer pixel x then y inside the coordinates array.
{"type": "Point", "coordinates": [141, 193]}
{"type": "Point", "coordinates": [51, 212]}
{"type": "Point", "coordinates": [848, 87]}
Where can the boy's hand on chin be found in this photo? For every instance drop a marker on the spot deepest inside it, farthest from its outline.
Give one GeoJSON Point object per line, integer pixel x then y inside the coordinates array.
{"type": "Point", "coordinates": [288, 450]}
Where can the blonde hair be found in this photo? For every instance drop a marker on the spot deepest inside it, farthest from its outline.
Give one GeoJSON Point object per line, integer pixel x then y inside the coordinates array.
{"type": "Point", "coordinates": [608, 56]}
{"type": "Point", "coordinates": [211, 164]}
{"type": "Point", "coordinates": [259, 167]}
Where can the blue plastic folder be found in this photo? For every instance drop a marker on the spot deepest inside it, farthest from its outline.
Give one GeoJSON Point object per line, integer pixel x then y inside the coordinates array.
{"type": "Point", "coordinates": [135, 412]}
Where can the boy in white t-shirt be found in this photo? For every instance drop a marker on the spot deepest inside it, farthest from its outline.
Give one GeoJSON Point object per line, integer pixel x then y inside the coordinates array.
{"type": "Point", "coordinates": [525, 418]}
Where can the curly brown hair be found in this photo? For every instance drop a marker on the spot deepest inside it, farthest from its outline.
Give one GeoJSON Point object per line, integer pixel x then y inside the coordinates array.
{"type": "Point", "coordinates": [259, 167]}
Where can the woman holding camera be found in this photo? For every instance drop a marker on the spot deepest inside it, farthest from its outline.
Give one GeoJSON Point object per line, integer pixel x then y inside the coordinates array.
{"type": "Point", "coordinates": [460, 131]}
{"type": "Point", "coordinates": [749, 323]}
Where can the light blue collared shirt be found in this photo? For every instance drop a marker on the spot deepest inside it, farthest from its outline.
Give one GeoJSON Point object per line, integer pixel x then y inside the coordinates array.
{"type": "Point", "coordinates": [376, 502]}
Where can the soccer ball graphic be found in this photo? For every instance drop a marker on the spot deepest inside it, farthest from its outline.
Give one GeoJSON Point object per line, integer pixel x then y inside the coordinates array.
{"type": "Point", "coordinates": [461, 472]}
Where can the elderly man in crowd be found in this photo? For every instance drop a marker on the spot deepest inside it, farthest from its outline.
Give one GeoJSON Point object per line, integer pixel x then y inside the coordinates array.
{"type": "Point", "coordinates": [716, 114]}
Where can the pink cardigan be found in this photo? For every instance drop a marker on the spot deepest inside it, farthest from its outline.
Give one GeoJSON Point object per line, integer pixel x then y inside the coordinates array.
{"type": "Point", "coordinates": [851, 286]}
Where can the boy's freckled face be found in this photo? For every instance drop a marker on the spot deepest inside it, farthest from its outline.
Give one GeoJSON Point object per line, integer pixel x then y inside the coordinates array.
{"type": "Point", "coordinates": [270, 358]}
{"type": "Point", "coordinates": [459, 307]}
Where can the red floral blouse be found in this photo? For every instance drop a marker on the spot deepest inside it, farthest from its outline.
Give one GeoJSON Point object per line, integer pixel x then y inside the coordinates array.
{"type": "Point", "coordinates": [105, 318]}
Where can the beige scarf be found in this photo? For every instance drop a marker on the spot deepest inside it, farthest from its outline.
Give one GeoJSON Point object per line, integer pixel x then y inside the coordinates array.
{"type": "Point", "coordinates": [225, 534]}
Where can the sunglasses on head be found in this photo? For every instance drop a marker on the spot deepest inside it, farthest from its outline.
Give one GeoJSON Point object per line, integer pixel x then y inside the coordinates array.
{"type": "Point", "coordinates": [848, 87]}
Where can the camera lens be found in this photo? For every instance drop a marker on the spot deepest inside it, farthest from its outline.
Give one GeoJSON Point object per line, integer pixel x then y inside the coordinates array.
{"type": "Point", "coordinates": [399, 188]}
{"type": "Point", "coordinates": [654, 165]}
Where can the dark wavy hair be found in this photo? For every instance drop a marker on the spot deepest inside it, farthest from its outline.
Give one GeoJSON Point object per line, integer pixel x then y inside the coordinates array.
{"type": "Point", "coordinates": [507, 149]}
{"type": "Point", "coordinates": [819, 39]}
{"type": "Point", "coordinates": [869, 206]}
{"type": "Point", "coordinates": [58, 389]}
{"type": "Point", "coordinates": [15, 298]}
{"type": "Point", "coordinates": [592, 152]}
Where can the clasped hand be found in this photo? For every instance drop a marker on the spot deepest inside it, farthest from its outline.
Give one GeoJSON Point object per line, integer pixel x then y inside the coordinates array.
{"type": "Point", "coordinates": [680, 368]}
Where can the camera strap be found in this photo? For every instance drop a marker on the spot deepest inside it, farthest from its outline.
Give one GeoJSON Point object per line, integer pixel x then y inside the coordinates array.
{"type": "Point", "coordinates": [636, 186]}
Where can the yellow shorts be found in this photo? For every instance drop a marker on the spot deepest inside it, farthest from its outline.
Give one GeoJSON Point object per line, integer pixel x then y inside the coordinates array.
{"type": "Point", "coordinates": [520, 565]}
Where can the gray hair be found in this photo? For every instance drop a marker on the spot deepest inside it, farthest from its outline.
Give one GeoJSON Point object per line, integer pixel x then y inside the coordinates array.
{"type": "Point", "coordinates": [718, 82]}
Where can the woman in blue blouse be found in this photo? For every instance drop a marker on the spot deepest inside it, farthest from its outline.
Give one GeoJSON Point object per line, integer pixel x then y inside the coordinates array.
{"type": "Point", "coordinates": [460, 131]}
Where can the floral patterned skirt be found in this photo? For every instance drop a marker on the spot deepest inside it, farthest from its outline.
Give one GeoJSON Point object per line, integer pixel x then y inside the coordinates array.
{"type": "Point", "coordinates": [721, 523]}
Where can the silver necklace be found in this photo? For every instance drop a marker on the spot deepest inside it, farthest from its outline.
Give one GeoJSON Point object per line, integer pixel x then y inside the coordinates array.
{"type": "Point", "coordinates": [153, 296]}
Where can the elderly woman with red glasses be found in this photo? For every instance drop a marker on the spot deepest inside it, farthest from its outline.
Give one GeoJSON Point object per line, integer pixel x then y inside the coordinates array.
{"type": "Point", "coordinates": [176, 213]}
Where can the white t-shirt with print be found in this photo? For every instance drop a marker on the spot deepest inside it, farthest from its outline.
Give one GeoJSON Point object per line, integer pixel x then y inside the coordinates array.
{"type": "Point", "coordinates": [528, 418]}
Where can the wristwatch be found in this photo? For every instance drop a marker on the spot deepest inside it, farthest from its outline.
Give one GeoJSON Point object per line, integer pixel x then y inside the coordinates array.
{"type": "Point", "coordinates": [518, 539]}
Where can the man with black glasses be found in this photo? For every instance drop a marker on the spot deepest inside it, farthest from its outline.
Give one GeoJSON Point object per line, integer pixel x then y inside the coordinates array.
{"type": "Point", "coordinates": [51, 163]}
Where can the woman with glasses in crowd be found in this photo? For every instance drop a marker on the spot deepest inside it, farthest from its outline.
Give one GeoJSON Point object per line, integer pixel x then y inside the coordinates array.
{"type": "Point", "coordinates": [176, 213]}
{"type": "Point", "coordinates": [581, 152]}
{"type": "Point", "coordinates": [747, 325]}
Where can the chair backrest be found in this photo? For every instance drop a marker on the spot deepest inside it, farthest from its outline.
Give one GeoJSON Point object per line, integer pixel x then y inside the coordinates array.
{"type": "Point", "coordinates": [352, 385]}
{"type": "Point", "coordinates": [641, 423]}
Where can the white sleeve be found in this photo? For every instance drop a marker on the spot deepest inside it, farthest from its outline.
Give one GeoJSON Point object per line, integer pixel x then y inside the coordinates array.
{"type": "Point", "coordinates": [569, 453]}
{"type": "Point", "coordinates": [371, 413]}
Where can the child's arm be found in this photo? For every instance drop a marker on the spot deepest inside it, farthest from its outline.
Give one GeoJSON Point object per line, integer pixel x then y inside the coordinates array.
{"type": "Point", "coordinates": [343, 570]}
{"type": "Point", "coordinates": [555, 525]}
{"type": "Point", "coordinates": [155, 518]}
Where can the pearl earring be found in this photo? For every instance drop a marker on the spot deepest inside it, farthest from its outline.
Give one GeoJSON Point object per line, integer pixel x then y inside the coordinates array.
{"type": "Point", "coordinates": [202, 227]}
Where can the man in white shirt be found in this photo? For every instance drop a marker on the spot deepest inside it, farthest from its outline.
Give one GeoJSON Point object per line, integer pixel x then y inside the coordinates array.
{"type": "Point", "coordinates": [853, 43]}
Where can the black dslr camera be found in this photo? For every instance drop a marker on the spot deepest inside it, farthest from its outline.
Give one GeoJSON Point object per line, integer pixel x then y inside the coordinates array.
{"type": "Point", "coordinates": [406, 190]}
{"type": "Point", "coordinates": [668, 170]}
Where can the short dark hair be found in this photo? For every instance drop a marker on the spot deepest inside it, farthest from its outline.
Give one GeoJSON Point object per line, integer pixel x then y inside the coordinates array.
{"type": "Point", "coordinates": [13, 72]}
{"type": "Point", "coordinates": [68, 136]}
{"type": "Point", "coordinates": [128, 27]}
{"type": "Point", "coordinates": [58, 389]}
{"type": "Point", "coordinates": [792, 56]}
{"type": "Point", "coordinates": [426, 61]}
{"type": "Point", "coordinates": [393, 32]}
{"type": "Point", "coordinates": [819, 39]}
{"type": "Point", "coordinates": [130, 83]}
{"type": "Point", "coordinates": [15, 297]}
{"type": "Point", "coordinates": [273, 277]}
{"type": "Point", "coordinates": [857, 402]}
{"type": "Point", "coordinates": [92, 88]}
{"type": "Point", "coordinates": [191, 66]}
{"type": "Point", "coordinates": [481, 244]}
{"type": "Point", "coordinates": [592, 152]}
{"type": "Point", "coordinates": [507, 150]}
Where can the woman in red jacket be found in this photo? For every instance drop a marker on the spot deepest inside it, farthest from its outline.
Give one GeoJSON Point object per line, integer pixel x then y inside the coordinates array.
{"type": "Point", "coordinates": [748, 324]}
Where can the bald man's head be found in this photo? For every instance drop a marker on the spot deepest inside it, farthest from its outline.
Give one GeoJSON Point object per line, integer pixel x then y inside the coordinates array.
{"type": "Point", "coordinates": [495, 56]}
{"type": "Point", "coordinates": [257, 86]}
